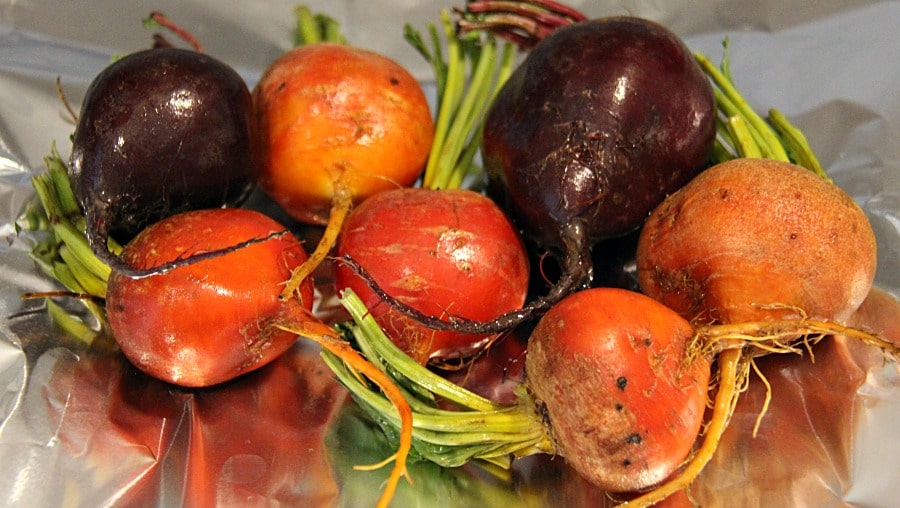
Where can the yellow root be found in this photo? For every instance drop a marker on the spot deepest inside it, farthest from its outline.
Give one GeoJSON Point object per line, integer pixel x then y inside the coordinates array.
{"type": "Point", "coordinates": [783, 336]}
{"type": "Point", "coordinates": [735, 346]}
{"type": "Point", "coordinates": [375, 466]}
{"type": "Point", "coordinates": [766, 401]}
{"type": "Point", "coordinates": [730, 371]}
{"type": "Point", "coordinates": [341, 204]}
{"type": "Point", "coordinates": [310, 327]}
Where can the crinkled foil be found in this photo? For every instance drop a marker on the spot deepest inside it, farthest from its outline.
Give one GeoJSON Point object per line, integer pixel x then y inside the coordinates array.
{"type": "Point", "coordinates": [84, 428]}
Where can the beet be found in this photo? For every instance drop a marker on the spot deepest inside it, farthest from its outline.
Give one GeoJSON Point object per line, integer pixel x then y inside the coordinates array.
{"type": "Point", "coordinates": [160, 131]}
{"type": "Point", "coordinates": [600, 122]}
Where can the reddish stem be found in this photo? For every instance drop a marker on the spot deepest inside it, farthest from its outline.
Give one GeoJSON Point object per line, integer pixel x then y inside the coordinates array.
{"type": "Point", "coordinates": [524, 23]}
{"type": "Point", "coordinates": [546, 6]}
{"type": "Point", "coordinates": [177, 29]}
{"type": "Point", "coordinates": [65, 102]}
{"type": "Point", "coordinates": [522, 31]}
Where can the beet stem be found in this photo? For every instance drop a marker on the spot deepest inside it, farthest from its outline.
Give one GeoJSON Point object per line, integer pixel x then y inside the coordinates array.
{"type": "Point", "coordinates": [524, 23]}
{"type": "Point", "coordinates": [65, 102]}
{"type": "Point", "coordinates": [164, 21]}
{"type": "Point", "coordinates": [314, 28]}
{"type": "Point", "coordinates": [732, 103]}
{"type": "Point", "coordinates": [542, 12]}
{"type": "Point", "coordinates": [536, 7]}
{"type": "Point", "coordinates": [748, 134]}
{"type": "Point", "coordinates": [462, 104]}
{"type": "Point", "coordinates": [479, 429]}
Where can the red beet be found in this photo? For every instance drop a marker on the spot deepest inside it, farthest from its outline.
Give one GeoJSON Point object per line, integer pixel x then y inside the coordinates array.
{"type": "Point", "coordinates": [440, 252]}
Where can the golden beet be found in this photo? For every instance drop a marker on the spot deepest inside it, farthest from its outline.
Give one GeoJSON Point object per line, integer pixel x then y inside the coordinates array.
{"type": "Point", "coordinates": [751, 234]}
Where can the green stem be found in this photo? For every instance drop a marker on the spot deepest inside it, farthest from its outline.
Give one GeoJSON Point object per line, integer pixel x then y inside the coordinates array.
{"type": "Point", "coordinates": [331, 30]}
{"type": "Point", "coordinates": [63, 253]}
{"type": "Point", "coordinates": [729, 112]}
{"type": "Point", "coordinates": [49, 188]}
{"type": "Point", "coordinates": [433, 56]}
{"type": "Point", "coordinates": [315, 28]}
{"type": "Point", "coordinates": [66, 202]}
{"type": "Point", "coordinates": [466, 116]}
{"type": "Point", "coordinates": [465, 164]}
{"type": "Point", "coordinates": [796, 143]}
{"type": "Point", "coordinates": [81, 250]}
{"type": "Point", "coordinates": [742, 137]}
{"type": "Point", "coordinates": [480, 429]}
{"type": "Point", "coordinates": [371, 333]}
{"type": "Point", "coordinates": [307, 31]}
{"type": "Point", "coordinates": [90, 283]}
{"type": "Point", "coordinates": [769, 144]}
{"type": "Point", "coordinates": [449, 449]}
{"type": "Point", "coordinates": [450, 94]}
{"type": "Point", "coordinates": [721, 153]}
{"type": "Point", "coordinates": [464, 93]}
{"type": "Point", "coordinates": [70, 324]}
{"type": "Point", "coordinates": [745, 133]}
{"type": "Point", "coordinates": [63, 274]}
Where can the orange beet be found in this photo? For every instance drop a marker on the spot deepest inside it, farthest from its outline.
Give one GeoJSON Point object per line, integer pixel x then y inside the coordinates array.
{"type": "Point", "coordinates": [607, 369]}
{"type": "Point", "coordinates": [331, 112]}
{"type": "Point", "coordinates": [209, 321]}
{"type": "Point", "coordinates": [752, 233]}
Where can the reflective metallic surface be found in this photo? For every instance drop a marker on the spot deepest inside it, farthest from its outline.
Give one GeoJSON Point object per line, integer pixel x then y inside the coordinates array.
{"type": "Point", "coordinates": [82, 427]}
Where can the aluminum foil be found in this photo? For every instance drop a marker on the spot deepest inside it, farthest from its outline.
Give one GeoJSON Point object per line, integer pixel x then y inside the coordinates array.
{"type": "Point", "coordinates": [83, 428]}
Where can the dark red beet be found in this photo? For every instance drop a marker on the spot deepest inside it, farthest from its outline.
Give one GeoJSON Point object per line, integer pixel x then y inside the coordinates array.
{"type": "Point", "coordinates": [601, 121]}
{"type": "Point", "coordinates": [161, 131]}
